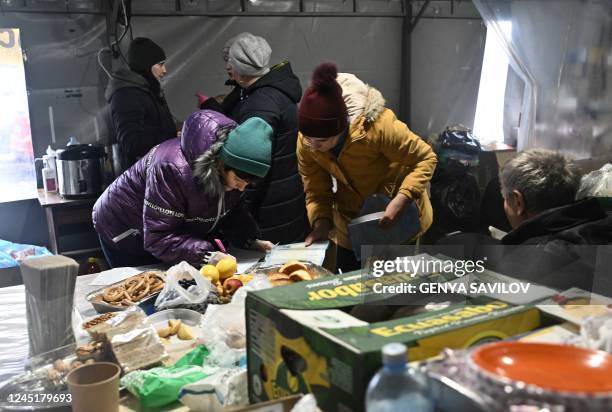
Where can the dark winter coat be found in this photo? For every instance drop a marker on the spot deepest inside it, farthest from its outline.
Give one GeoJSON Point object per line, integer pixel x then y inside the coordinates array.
{"type": "Point", "coordinates": [141, 118]}
{"type": "Point", "coordinates": [278, 202]}
{"type": "Point", "coordinates": [562, 247]}
{"type": "Point", "coordinates": [171, 197]}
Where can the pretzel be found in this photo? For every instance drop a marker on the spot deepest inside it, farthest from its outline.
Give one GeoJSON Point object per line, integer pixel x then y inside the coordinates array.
{"type": "Point", "coordinates": [136, 295]}
{"type": "Point", "coordinates": [114, 293]}
{"type": "Point", "coordinates": [139, 284]}
{"type": "Point", "coordinates": [132, 282]}
{"type": "Point", "coordinates": [134, 289]}
{"type": "Point", "coordinates": [153, 278]}
{"type": "Point", "coordinates": [95, 321]}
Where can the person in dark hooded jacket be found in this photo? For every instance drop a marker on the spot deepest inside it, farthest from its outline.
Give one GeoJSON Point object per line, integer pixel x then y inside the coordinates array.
{"type": "Point", "coordinates": [185, 193]}
{"type": "Point", "coordinates": [271, 93]}
{"type": "Point", "coordinates": [139, 110]}
{"type": "Point", "coordinates": [555, 241]}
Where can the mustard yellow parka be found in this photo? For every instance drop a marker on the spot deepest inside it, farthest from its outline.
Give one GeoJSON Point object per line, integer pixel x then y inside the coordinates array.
{"type": "Point", "coordinates": [380, 155]}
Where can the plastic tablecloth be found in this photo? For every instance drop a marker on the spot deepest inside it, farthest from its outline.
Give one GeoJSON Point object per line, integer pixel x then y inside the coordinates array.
{"type": "Point", "coordinates": [13, 331]}
{"type": "Point", "coordinates": [14, 344]}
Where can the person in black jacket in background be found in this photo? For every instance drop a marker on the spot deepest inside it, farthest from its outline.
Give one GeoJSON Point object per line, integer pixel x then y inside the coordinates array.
{"type": "Point", "coordinates": [555, 241]}
{"type": "Point", "coordinates": [139, 111]}
{"type": "Point", "coordinates": [271, 93]}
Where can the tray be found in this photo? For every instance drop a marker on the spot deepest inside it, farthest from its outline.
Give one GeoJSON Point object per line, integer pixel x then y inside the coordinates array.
{"type": "Point", "coordinates": [147, 304]}
{"type": "Point", "coordinates": [316, 271]}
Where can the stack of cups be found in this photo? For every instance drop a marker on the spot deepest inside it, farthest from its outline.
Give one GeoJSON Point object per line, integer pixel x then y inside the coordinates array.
{"type": "Point", "coordinates": [49, 283]}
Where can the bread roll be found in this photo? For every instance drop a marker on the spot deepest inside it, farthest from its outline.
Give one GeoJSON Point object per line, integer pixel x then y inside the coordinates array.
{"type": "Point", "coordinates": [291, 266]}
{"type": "Point", "coordinates": [300, 275]}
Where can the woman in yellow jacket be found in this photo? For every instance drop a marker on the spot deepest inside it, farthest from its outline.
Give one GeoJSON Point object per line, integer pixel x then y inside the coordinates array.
{"type": "Point", "coordinates": [347, 133]}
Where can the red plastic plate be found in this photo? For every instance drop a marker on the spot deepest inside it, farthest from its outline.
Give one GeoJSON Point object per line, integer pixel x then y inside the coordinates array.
{"type": "Point", "coordinates": [554, 367]}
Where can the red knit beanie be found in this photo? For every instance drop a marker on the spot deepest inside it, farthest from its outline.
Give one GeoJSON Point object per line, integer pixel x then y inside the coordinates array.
{"type": "Point", "coordinates": [322, 110]}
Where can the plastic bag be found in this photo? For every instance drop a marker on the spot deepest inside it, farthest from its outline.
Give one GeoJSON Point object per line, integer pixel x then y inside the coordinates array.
{"type": "Point", "coordinates": [12, 253]}
{"type": "Point", "coordinates": [459, 138]}
{"type": "Point", "coordinates": [224, 327]}
{"type": "Point", "coordinates": [455, 198]}
{"type": "Point", "coordinates": [308, 403]}
{"type": "Point", "coordinates": [161, 386]}
{"type": "Point", "coordinates": [216, 257]}
{"type": "Point", "coordinates": [224, 324]}
{"type": "Point", "coordinates": [173, 295]}
{"type": "Point", "coordinates": [598, 183]}
{"type": "Point", "coordinates": [132, 338]}
{"type": "Point", "coordinates": [227, 387]}
{"type": "Point", "coordinates": [596, 332]}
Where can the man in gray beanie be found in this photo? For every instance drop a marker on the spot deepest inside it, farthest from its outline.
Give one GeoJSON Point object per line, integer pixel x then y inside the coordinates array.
{"type": "Point", "coordinates": [249, 55]}
{"type": "Point", "coordinates": [247, 58]}
{"type": "Point", "coordinates": [272, 93]}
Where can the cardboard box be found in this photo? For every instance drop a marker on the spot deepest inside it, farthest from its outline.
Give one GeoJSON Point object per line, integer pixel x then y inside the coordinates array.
{"type": "Point", "coordinates": [278, 405]}
{"type": "Point", "coordinates": [300, 338]}
{"type": "Point", "coordinates": [576, 305]}
{"type": "Point", "coordinates": [564, 334]}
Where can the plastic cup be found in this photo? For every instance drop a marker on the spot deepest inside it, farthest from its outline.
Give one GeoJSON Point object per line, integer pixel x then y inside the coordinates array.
{"type": "Point", "coordinates": [95, 387]}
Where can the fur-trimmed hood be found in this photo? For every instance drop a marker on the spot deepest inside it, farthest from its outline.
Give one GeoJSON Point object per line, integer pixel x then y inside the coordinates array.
{"type": "Point", "coordinates": [203, 135]}
{"type": "Point", "coordinates": [360, 98]}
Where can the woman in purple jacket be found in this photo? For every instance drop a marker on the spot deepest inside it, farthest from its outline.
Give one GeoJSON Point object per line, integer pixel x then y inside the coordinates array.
{"type": "Point", "coordinates": [174, 202]}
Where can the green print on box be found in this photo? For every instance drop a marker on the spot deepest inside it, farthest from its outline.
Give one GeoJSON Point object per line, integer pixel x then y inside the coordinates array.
{"type": "Point", "coordinates": [299, 341]}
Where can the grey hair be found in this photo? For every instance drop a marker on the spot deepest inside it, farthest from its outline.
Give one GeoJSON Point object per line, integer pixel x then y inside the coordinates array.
{"type": "Point", "coordinates": [206, 170]}
{"type": "Point", "coordinates": [546, 179]}
{"type": "Point", "coordinates": [598, 183]}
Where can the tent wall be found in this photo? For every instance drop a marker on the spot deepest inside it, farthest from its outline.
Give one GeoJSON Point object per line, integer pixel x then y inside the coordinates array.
{"type": "Point", "coordinates": [194, 45]}
{"type": "Point", "coordinates": [66, 84]}
{"type": "Point", "coordinates": [447, 50]}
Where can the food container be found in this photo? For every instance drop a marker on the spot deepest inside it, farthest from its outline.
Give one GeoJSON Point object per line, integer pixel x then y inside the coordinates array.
{"type": "Point", "coordinates": [96, 299]}
{"type": "Point", "coordinates": [176, 347]}
{"type": "Point", "coordinates": [187, 316]}
{"type": "Point", "coordinates": [543, 374]}
{"type": "Point", "coordinates": [315, 271]}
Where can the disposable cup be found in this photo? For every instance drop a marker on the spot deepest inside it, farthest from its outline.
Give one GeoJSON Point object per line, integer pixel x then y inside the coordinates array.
{"type": "Point", "coordinates": [95, 387]}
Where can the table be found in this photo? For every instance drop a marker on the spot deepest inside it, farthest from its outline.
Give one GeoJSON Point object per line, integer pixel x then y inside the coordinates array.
{"type": "Point", "coordinates": [14, 343]}
{"type": "Point", "coordinates": [60, 212]}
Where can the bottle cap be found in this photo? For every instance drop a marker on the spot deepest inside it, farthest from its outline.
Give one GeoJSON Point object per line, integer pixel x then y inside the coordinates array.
{"type": "Point", "coordinates": [92, 260]}
{"type": "Point", "coordinates": [394, 353]}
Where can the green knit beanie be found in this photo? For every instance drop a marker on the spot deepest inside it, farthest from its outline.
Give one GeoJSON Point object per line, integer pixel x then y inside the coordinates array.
{"type": "Point", "coordinates": [248, 147]}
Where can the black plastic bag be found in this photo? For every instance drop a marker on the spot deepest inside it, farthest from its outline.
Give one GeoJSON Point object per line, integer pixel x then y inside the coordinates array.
{"type": "Point", "coordinates": [455, 198]}
{"type": "Point", "coordinates": [459, 138]}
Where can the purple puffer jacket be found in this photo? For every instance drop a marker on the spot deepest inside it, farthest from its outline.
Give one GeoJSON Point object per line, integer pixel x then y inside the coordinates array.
{"type": "Point", "coordinates": [160, 197]}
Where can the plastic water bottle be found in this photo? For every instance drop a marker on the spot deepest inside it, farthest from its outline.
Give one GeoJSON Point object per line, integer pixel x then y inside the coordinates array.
{"type": "Point", "coordinates": [396, 387]}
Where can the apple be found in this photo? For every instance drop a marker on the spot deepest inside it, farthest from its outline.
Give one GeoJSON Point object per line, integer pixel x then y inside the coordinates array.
{"type": "Point", "coordinates": [231, 285]}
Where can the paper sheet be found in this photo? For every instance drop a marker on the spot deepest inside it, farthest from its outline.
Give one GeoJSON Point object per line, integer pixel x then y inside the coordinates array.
{"type": "Point", "coordinates": [281, 254]}
{"type": "Point", "coordinates": [108, 277]}
{"type": "Point", "coordinates": [246, 258]}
